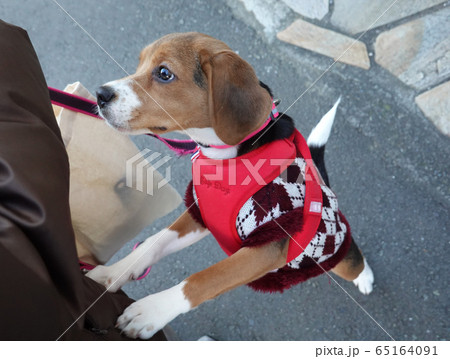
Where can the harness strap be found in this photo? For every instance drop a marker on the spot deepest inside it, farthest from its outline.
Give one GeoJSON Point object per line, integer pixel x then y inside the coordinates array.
{"type": "Point", "coordinates": [312, 210]}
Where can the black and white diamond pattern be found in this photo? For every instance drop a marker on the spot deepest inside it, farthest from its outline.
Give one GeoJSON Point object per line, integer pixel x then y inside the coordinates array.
{"type": "Point", "coordinates": [331, 232]}
{"type": "Point", "coordinates": [294, 192]}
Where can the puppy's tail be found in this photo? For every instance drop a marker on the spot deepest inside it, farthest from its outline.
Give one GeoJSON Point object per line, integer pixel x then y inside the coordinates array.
{"type": "Point", "coordinates": [318, 138]}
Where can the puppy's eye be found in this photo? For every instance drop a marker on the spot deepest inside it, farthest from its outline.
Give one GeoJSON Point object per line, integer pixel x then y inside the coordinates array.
{"type": "Point", "coordinates": [164, 74]}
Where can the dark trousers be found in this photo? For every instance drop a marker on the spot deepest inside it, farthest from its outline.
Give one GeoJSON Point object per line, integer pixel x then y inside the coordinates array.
{"type": "Point", "coordinates": [42, 291]}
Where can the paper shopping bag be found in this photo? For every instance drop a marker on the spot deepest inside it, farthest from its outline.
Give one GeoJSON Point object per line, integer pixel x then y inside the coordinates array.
{"type": "Point", "coordinates": [106, 212]}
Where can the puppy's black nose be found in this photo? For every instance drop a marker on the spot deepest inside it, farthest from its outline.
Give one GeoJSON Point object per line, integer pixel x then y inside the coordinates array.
{"type": "Point", "coordinates": [104, 95]}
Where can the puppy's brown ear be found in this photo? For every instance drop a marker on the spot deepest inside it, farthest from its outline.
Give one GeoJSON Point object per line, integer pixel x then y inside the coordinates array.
{"type": "Point", "coordinates": [237, 103]}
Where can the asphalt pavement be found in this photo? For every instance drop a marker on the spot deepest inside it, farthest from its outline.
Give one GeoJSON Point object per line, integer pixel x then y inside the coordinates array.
{"type": "Point", "coordinates": [388, 164]}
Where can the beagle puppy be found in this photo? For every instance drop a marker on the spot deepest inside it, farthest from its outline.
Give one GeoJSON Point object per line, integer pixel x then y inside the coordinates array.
{"type": "Point", "coordinates": [195, 84]}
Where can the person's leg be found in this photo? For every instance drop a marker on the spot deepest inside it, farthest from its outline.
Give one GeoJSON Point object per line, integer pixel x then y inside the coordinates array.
{"type": "Point", "coordinates": [43, 290]}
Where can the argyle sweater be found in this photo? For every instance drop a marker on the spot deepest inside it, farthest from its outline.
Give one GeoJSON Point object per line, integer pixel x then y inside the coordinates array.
{"type": "Point", "coordinates": [277, 208]}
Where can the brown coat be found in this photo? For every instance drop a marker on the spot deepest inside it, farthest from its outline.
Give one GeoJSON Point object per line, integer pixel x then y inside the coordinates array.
{"type": "Point", "coordinates": [42, 289]}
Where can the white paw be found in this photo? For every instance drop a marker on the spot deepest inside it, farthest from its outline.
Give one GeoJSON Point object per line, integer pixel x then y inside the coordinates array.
{"type": "Point", "coordinates": [113, 277]}
{"type": "Point", "coordinates": [364, 282]}
{"type": "Point", "coordinates": [145, 317]}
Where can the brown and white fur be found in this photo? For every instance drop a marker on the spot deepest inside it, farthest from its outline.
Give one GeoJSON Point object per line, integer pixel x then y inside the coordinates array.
{"type": "Point", "coordinates": [194, 84]}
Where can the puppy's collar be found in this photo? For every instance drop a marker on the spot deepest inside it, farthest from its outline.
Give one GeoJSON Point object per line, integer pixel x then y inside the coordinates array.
{"type": "Point", "coordinates": [272, 116]}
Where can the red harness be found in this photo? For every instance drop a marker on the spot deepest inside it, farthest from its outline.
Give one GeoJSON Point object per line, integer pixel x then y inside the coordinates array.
{"type": "Point", "coordinates": [223, 186]}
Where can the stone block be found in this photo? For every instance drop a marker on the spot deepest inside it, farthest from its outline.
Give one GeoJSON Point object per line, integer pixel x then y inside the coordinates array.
{"type": "Point", "coordinates": [417, 52]}
{"type": "Point", "coordinates": [314, 9]}
{"type": "Point", "coordinates": [356, 16]}
{"type": "Point", "coordinates": [326, 42]}
{"type": "Point", "coordinates": [435, 104]}
{"type": "Point", "coordinates": [269, 13]}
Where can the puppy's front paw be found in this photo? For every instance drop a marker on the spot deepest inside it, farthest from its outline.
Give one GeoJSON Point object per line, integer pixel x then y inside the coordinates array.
{"type": "Point", "coordinates": [145, 317]}
{"type": "Point", "coordinates": [112, 277]}
{"type": "Point", "coordinates": [365, 280]}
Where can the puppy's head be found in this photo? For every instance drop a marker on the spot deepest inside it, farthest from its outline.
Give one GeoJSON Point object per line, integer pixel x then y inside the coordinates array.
{"type": "Point", "coordinates": [187, 81]}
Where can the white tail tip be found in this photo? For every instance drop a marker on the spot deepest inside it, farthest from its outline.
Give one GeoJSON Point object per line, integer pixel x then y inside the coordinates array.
{"type": "Point", "coordinates": [320, 134]}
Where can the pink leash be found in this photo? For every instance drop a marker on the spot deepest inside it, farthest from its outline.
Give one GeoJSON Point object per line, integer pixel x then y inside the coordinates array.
{"type": "Point", "coordinates": [147, 271]}
{"type": "Point", "coordinates": [181, 147]}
